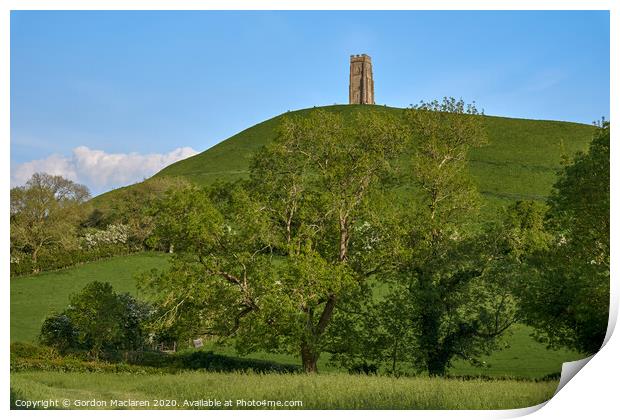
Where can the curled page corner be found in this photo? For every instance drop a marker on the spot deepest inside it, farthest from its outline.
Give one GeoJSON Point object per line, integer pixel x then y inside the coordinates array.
{"type": "Point", "coordinates": [569, 370]}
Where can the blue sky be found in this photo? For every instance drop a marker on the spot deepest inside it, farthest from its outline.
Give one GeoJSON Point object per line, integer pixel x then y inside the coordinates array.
{"type": "Point", "coordinates": [107, 98]}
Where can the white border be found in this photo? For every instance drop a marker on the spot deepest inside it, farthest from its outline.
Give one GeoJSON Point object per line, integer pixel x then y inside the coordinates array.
{"type": "Point", "coordinates": [591, 394]}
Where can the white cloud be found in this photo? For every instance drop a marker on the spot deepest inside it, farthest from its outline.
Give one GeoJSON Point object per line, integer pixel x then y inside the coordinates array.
{"type": "Point", "coordinates": [99, 170]}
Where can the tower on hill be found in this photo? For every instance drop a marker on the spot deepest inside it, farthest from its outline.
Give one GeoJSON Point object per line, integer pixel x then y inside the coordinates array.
{"type": "Point", "coordinates": [361, 85]}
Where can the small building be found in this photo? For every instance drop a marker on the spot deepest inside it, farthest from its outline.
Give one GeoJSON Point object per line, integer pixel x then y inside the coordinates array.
{"type": "Point", "coordinates": [361, 84]}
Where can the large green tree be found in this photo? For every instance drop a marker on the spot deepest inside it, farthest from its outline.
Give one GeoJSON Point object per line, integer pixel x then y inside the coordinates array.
{"type": "Point", "coordinates": [451, 284]}
{"type": "Point", "coordinates": [567, 296]}
{"type": "Point", "coordinates": [45, 214]}
{"type": "Point", "coordinates": [271, 262]}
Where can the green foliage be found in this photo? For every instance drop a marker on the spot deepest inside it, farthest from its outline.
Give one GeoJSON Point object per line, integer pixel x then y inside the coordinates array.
{"type": "Point", "coordinates": [45, 214]}
{"type": "Point", "coordinates": [34, 297]}
{"type": "Point", "coordinates": [320, 221]}
{"type": "Point", "coordinates": [28, 358]}
{"type": "Point", "coordinates": [55, 259]}
{"type": "Point", "coordinates": [128, 205]}
{"type": "Point", "coordinates": [58, 331]}
{"type": "Point", "coordinates": [444, 133]}
{"type": "Point", "coordinates": [450, 285]}
{"type": "Point", "coordinates": [524, 229]}
{"type": "Point", "coordinates": [54, 227]}
{"type": "Point", "coordinates": [267, 261]}
{"type": "Point", "coordinates": [98, 319]}
{"type": "Point", "coordinates": [209, 361]}
{"type": "Point", "coordinates": [96, 314]}
{"type": "Point", "coordinates": [567, 299]}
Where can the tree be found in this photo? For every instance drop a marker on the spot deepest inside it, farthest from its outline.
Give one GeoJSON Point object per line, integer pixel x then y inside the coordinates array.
{"type": "Point", "coordinates": [567, 297]}
{"type": "Point", "coordinates": [98, 319]}
{"type": "Point", "coordinates": [45, 213]}
{"type": "Point", "coordinates": [127, 206]}
{"type": "Point", "coordinates": [58, 331]}
{"type": "Point", "coordinates": [95, 313]}
{"type": "Point", "coordinates": [525, 232]}
{"type": "Point", "coordinates": [456, 301]}
{"type": "Point", "coordinates": [270, 261]}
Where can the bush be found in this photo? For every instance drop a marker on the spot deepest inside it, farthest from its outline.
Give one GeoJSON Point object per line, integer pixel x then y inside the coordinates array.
{"type": "Point", "coordinates": [98, 319]}
{"type": "Point", "coordinates": [55, 259]}
{"type": "Point", "coordinates": [25, 356]}
{"type": "Point", "coordinates": [364, 368]}
{"type": "Point", "coordinates": [207, 360]}
{"type": "Point", "coordinates": [58, 331]}
{"type": "Point", "coordinates": [28, 357]}
{"type": "Point", "coordinates": [113, 234]}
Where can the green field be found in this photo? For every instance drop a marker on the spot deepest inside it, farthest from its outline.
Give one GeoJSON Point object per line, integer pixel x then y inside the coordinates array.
{"type": "Point", "coordinates": [327, 391]}
{"type": "Point", "coordinates": [35, 297]}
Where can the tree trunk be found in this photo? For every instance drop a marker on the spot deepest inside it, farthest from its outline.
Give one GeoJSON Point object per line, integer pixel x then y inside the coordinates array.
{"type": "Point", "coordinates": [430, 325]}
{"type": "Point", "coordinates": [35, 254]}
{"type": "Point", "coordinates": [344, 239]}
{"type": "Point", "coordinates": [309, 357]}
{"type": "Point", "coordinates": [394, 356]}
{"type": "Point", "coordinates": [436, 365]}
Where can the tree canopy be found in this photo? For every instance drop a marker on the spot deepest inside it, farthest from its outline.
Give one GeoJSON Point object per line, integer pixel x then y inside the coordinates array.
{"type": "Point", "coordinates": [567, 297]}
{"type": "Point", "coordinates": [45, 213]}
{"type": "Point", "coordinates": [269, 261]}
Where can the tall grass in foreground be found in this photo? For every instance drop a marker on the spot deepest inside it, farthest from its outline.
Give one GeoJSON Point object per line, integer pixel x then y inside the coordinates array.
{"type": "Point", "coordinates": [325, 391]}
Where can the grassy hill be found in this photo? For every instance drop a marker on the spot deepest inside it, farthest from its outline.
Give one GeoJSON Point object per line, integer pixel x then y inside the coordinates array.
{"type": "Point", "coordinates": [520, 161]}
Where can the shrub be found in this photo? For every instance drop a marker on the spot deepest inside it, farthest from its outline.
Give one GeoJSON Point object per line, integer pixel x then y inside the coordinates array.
{"type": "Point", "coordinates": [98, 319]}
{"type": "Point", "coordinates": [55, 259]}
{"type": "Point", "coordinates": [58, 331]}
{"type": "Point", "coordinates": [28, 357]}
{"type": "Point", "coordinates": [112, 235]}
{"type": "Point", "coordinates": [364, 368]}
{"type": "Point", "coordinates": [207, 360]}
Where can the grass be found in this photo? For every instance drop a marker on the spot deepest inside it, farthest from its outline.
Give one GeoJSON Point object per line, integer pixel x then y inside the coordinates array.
{"type": "Point", "coordinates": [519, 162]}
{"type": "Point", "coordinates": [525, 358]}
{"type": "Point", "coordinates": [519, 150]}
{"type": "Point", "coordinates": [327, 391]}
{"type": "Point", "coordinates": [35, 297]}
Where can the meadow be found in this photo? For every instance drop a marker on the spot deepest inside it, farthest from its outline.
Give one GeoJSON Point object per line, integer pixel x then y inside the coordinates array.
{"type": "Point", "coordinates": [35, 297]}
{"type": "Point", "coordinates": [325, 391]}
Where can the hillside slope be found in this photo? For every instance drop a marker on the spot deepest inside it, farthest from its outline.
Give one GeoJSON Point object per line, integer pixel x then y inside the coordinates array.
{"type": "Point", "coordinates": [520, 161]}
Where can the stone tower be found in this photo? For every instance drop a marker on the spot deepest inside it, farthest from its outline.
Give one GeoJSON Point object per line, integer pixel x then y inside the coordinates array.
{"type": "Point", "coordinates": [361, 85]}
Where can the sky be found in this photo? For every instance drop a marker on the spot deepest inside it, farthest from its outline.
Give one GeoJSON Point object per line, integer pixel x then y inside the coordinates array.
{"type": "Point", "coordinates": [108, 98]}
